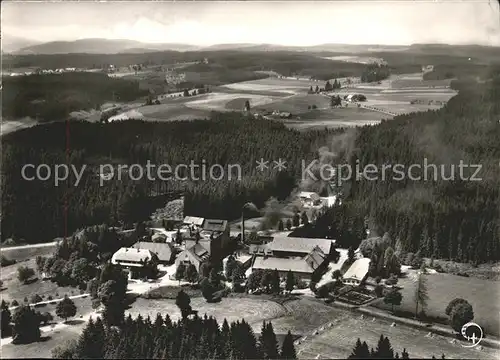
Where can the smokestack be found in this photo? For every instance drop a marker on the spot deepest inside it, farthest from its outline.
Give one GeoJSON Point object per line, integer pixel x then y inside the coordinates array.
{"type": "Point", "coordinates": [243, 226]}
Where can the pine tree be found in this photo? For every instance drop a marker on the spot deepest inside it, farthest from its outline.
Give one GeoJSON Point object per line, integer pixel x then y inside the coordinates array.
{"type": "Point", "coordinates": [275, 282]}
{"type": "Point", "coordinates": [6, 318]}
{"type": "Point", "coordinates": [360, 351]}
{"type": "Point", "coordinates": [384, 349]}
{"type": "Point", "coordinates": [268, 342]}
{"type": "Point", "coordinates": [404, 354]}
{"type": "Point", "coordinates": [290, 281]}
{"type": "Point", "coordinates": [26, 327]}
{"type": "Point", "coordinates": [281, 226]}
{"type": "Point", "coordinates": [421, 296]}
{"type": "Point", "coordinates": [288, 348]}
{"type": "Point", "coordinates": [304, 219]}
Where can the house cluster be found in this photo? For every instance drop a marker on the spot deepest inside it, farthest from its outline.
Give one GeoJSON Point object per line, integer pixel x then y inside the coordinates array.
{"type": "Point", "coordinates": [173, 77]}
{"type": "Point", "coordinates": [206, 240]}
{"type": "Point", "coordinates": [45, 71]}
{"type": "Point", "coordinates": [355, 98]}
{"type": "Point", "coordinates": [311, 200]}
{"type": "Point", "coordinates": [201, 239]}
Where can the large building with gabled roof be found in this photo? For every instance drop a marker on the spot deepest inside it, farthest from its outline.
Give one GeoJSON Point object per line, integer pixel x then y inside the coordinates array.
{"type": "Point", "coordinates": [304, 257]}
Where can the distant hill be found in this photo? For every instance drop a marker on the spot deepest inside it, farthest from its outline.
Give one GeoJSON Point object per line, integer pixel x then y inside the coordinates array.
{"type": "Point", "coordinates": [337, 48]}
{"type": "Point", "coordinates": [491, 53]}
{"type": "Point", "coordinates": [99, 46]}
{"type": "Point", "coordinates": [11, 43]}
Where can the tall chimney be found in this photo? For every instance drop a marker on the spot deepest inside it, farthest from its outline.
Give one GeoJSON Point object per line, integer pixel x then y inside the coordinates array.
{"type": "Point", "coordinates": [243, 226]}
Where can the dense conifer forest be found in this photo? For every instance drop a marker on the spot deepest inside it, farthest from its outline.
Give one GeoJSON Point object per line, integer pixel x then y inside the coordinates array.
{"type": "Point", "coordinates": [190, 338]}
{"type": "Point", "coordinates": [51, 97]}
{"type": "Point", "coordinates": [456, 219]}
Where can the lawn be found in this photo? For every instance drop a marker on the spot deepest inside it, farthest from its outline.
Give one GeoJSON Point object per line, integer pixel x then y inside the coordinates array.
{"type": "Point", "coordinates": [254, 311]}
{"type": "Point", "coordinates": [299, 316]}
{"type": "Point", "coordinates": [442, 288]}
{"type": "Point", "coordinates": [51, 337]}
{"type": "Point", "coordinates": [338, 340]}
{"type": "Point", "coordinates": [21, 254]}
{"type": "Point", "coordinates": [13, 289]}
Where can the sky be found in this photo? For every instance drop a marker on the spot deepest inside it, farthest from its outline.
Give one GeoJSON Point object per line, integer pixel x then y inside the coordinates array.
{"type": "Point", "coordinates": [300, 23]}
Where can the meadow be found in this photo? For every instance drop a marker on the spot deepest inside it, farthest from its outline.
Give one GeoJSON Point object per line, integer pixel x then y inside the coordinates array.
{"type": "Point", "coordinates": [442, 288]}
{"type": "Point", "coordinates": [338, 339]}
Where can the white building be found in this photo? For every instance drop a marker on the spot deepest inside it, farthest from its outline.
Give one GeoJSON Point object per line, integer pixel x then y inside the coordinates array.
{"type": "Point", "coordinates": [357, 273]}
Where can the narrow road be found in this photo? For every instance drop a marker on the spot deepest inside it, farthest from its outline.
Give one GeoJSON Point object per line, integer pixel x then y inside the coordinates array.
{"type": "Point", "coordinates": [31, 246]}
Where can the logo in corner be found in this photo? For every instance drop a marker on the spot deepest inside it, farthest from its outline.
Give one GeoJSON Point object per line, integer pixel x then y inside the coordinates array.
{"type": "Point", "coordinates": [473, 333]}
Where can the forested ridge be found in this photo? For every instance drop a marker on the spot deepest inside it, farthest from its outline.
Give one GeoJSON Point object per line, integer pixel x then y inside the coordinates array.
{"type": "Point", "coordinates": [189, 338]}
{"type": "Point", "coordinates": [444, 218]}
{"type": "Point", "coordinates": [51, 97]}
{"type": "Point", "coordinates": [34, 210]}
{"type": "Point", "coordinates": [456, 219]}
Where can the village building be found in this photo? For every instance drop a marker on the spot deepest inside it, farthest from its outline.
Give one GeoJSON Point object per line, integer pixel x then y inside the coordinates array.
{"type": "Point", "coordinates": [285, 246]}
{"type": "Point", "coordinates": [133, 260]}
{"type": "Point", "coordinates": [357, 273]}
{"type": "Point", "coordinates": [305, 257]}
{"type": "Point", "coordinates": [303, 268]}
{"type": "Point", "coordinates": [165, 251]}
{"type": "Point", "coordinates": [207, 240]}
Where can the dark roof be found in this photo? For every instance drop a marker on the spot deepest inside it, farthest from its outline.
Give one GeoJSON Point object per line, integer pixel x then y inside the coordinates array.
{"type": "Point", "coordinates": [215, 225]}
{"type": "Point", "coordinates": [199, 252]}
{"type": "Point", "coordinates": [315, 258]}
{"type": "Point", "coordinates": [259, 249]}
{"type": "Point", "coordinates": [164, 251]}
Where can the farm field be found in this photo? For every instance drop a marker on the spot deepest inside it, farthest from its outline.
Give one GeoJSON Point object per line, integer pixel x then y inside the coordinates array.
{"type": "Point", "coordinates": [442, 288]}
{"type": "Point", "coordinates": [291, 95]}
{"type": "Point", "coordinates": [338, 340]}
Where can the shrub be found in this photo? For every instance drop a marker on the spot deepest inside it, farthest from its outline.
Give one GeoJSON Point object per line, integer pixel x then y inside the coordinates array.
{"type": "Point", "coordinates": [49, 297]}
{"type": "Point", "coordinates": [36, 299]}
{"type": "Point", "coordinates": [438, 268]}
{"type": "Point", "coordinates": [6, 262]}
{"type": "Point", "coordinates": [25, 273]}
{"type": "Point", "coordinates": [301, 284]}
{"type": "Point", "coordinates": [25, 299]}
{"type": "Point", "coordinates": [15, 303]}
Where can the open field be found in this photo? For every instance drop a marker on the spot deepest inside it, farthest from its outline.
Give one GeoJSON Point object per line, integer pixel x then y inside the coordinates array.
{"type": "Point", "coordinates": [25, 256]}
{"type": "Point", "coordinates": [14, 290]}
{"type": "Point", "coordinates": [356, 59]}
{"type": "Point", "coordinates": [52, 335]}
{"type": "Point", "coordinates": [21, 253]}
{"type": "Point", "coordinates": [7, 126]}
{"type": "Point", "coordinates": [286, 86]}
{"type": "Point", "coordinates": [338, 340]}
{"type": "Point", "coordinates": [442, 288]}
{"type": "Point", "coordinates": [299, 316]}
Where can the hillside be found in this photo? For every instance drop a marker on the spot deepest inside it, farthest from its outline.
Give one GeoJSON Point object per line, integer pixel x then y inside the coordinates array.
{"type": "Point", "coordinates": [99, 46]}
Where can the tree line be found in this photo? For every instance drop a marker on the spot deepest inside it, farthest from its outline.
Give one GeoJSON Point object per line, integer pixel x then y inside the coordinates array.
{"type": "Point", "coordinates": [37, 211]}
{"type": "Point", "coordinates": [52, 97]}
